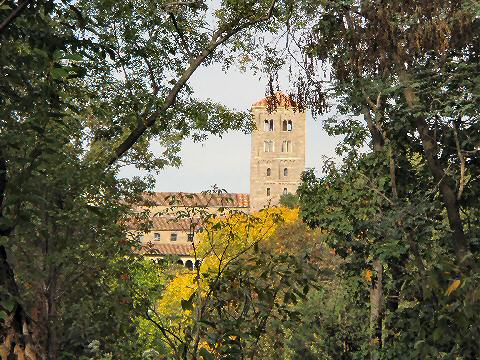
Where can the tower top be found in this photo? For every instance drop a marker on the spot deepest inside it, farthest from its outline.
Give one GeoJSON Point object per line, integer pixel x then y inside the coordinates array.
{"type": "Point", "coordinates": [279, 99]}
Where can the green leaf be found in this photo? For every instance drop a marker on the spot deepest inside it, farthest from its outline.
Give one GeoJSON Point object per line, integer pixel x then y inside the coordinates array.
{"type": "Point", "coordinates": [8, 304]}
{"type": "Point", "coordinates": [205, 354]}
{"type": "Point", "coordinates": [58, 73]}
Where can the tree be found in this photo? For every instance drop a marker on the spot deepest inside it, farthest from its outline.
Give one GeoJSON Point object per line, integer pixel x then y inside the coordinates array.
{"type": "Point", "coordinates": [244, 282]}
{"type": "Point", "coordinates": [74, 100]}
{"type": "Point", "coordinates": [408, 70]}
{"type": "Point", "coordinates": [289, 200]}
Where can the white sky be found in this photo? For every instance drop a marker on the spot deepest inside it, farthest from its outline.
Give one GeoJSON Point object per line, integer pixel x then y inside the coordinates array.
{"type": "Point", "coordinates": [225, 161]}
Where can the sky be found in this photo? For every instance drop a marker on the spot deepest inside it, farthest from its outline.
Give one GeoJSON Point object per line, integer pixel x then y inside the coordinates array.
{"type": "Point", "coordinates": [225, 162]}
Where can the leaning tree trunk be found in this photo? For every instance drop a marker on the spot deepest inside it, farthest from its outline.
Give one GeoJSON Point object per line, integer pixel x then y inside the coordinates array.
{"type": "Point", "coordinates": [444, 180]}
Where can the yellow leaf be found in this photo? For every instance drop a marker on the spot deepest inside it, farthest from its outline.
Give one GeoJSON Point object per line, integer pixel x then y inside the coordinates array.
{"type": "Point", "coordinates": [367, 274]}
{"type": "Point", "coordinates": [452, 287]}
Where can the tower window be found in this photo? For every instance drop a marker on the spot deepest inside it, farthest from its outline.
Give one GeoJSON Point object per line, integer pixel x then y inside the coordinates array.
{"type": "Point", "coordinates": [268, 191]}
{"type": "Point", "coordinates": [269, 171]}
{"type": "Point", "coordinates": [287, 146]}
{"type": "Point", "coordinates": [270, 128]}
{"type": "Point", "coordinates": [285, 191]}
{"type": "Point", "coordinates": [285, 172]}
{"type": "Point", "coordinates": [265, 125]}
{"type": "Point", "coordinates": [268, 146]}
{"type": "Point", "coordinates": [173, 237]}
{"type": "Point", "coordinates": [287, 125]}
{"type": "Point", "coordinates": [156, 236]}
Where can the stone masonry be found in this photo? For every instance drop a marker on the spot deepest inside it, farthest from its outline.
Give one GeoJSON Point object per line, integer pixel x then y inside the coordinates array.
{"type": "Point", "coordinates": [277, 152]}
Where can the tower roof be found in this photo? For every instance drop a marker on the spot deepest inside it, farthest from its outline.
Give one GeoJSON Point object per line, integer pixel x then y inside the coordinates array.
{"type": "Point", "coordinates": [279, 99]}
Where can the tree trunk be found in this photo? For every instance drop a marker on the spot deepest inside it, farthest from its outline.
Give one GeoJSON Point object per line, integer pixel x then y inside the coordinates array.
{"type": "Point", "coordinates": [376, 290]}
{"type": "Point", "coordinates": [444, 181]}
{"type": "Point", "coordinates": [15, 336]}
{"type": "Point", "coordinates": [376, 307]}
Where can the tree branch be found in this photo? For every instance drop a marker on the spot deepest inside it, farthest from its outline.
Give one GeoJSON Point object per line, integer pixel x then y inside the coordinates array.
{"type": "Point", "coordinates": [462, 163]}
{"type": "Point", "coordinates": [218, 38]}
{"type": "Point", "coordinates": [13, 15]}
{"type": "Point", "coordinates": [180, 33]}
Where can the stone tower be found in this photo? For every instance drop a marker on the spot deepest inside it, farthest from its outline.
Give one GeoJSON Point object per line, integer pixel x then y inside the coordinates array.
{"type": "Point", "coordinates": [278, 151]}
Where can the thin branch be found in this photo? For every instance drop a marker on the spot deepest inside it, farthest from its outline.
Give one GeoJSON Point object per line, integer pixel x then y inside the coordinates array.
{"type": "Point", "coordinates": [219, 37]}
{"type": "Point", "coordinates": [462, 162]}
{"type": "Point", "coordinates": [13, 15]}
{"type": "Point", "coordinates": [180, 33]}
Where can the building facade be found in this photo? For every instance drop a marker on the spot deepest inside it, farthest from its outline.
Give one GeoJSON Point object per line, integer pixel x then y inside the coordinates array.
{"type": "Point", "coordinates": [176, 220]}
{"type": "Point", "coordinates": [277, 151]}
{"type": "Point", "coordinates": [276, 164]}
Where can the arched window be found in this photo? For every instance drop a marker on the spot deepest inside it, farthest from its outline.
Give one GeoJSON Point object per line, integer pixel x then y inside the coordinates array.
{"type": "Point", "coordinates": [271, 126]}
{"type": "Point", "coordinates": [189, 264]}
{"type": "Point", "coordinates": [265, 125]}
{"type": "Point", "coordinates": [284, 127]}
{"type": "Point", "coordinates": [268, 191]}
{"type": "Point", "coordinates": [180, 262]}
{"type": "Point", "coordinates": [269, 171]}
{"type": "Point", "coordinates": [285, 172]}
{"type": "Point", "coordinates": [285, 191]}
{"type": "Point", "coordinates": [289, 125]}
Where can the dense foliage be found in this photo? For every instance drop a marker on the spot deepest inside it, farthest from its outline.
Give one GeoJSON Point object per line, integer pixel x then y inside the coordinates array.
{"type": "Point", "coordinates": [84, 89]}
{"type": "Point", "coordinates": [403, 204]}
{"type": "Point", "coordinates": [383, 262]}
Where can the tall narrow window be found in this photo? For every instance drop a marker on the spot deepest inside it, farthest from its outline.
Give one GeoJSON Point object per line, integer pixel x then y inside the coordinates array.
{"type": "Point", "coordinates": [173, 237]}
{"type": "Point", "coordinates": [268, 146]}
{"type": "Point", "coordinates": [265, 125]}
{"type": "Point", "coordinates": [285, 191]}
{"type": "Point", "coordinates": [285, 172]}
{"type": "Point", "coordinates": [289, 125]}
{"type": "Point", "coordinates": [284, 126]}
{"type": "Point", "coordinates": [269, 171]}
{"type": "Point", "coordinates": [271, 125]}
{"type": "Point", "coordinates": [268, 191]}
{"type": "Point", "coordinates": [287, 146]}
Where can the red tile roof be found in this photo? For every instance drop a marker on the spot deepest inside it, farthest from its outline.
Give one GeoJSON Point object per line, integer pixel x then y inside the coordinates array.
{"type": "Point", "coordinates": [280, 99]}
{"type": "Point", "coordinates": [152, 248]}
{"type": "Point", "coordinates": [196, 199]}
